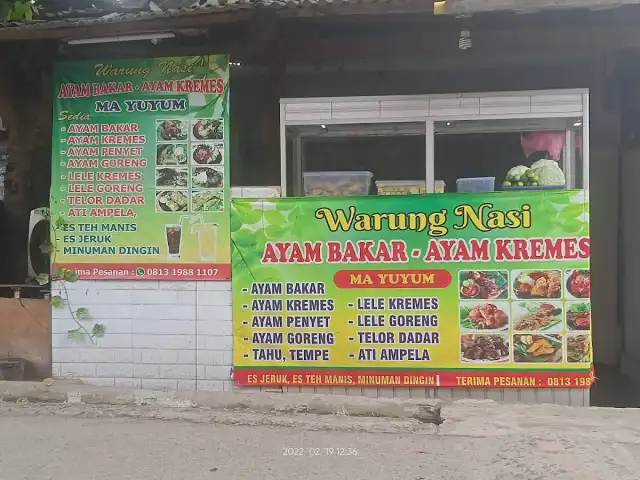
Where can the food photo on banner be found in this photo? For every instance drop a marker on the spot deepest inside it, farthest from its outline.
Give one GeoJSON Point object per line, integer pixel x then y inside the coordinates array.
{"type": "Point", "coordinates": [140, 186]}
{"type": "Point", "coordinates": [460, 290]}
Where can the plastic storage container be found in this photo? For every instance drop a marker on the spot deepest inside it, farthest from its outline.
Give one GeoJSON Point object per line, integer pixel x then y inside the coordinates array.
{"type": "Point", "coordinates": [337, 183]}
{"type": "Point", "coordinates": [478, 184]}
{"type": "Point", "coordinates": [406, 187]}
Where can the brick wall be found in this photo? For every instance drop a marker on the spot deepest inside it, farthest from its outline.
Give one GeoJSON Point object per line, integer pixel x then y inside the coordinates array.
{"type": "Point", "coordinates": [178, 335]}
{"type": "Point", "coordinates": [168, 335]}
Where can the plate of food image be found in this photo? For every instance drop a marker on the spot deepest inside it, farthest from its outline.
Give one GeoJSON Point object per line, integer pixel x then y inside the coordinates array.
{"type": "Point", "coordinates": [579, 348]}
{"type": "Point", "coordinates": [486, 285]}
{"type": "Point", "coordinates": [537, 316]}
{"type": "Point", "coordinates": [172, 201]}
{"type": "Point", "coordinates": [537, 348]}
{"type": "Point", "coordinates": [578, 315]}
{"type": "Point", "coordinates": [579, 283]}
{"type": "Point", "coordinates": [171, 154]}
{"type": "Point", "coordinates": [537, 284]}
{"type": "Point", "coordinates": [208, 129]}
{"type": "Point", "coordinates": [207, 154]}
{"type": "Point", "coordinates": [169, 130]}
{"type": "Point", "coordinates": [484, 316]}
{"type": "Point", "coordinates": [484, 348]}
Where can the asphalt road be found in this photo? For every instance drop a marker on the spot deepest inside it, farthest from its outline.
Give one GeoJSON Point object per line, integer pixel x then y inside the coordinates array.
{"type": "Point", "coordinates": [78, 443]}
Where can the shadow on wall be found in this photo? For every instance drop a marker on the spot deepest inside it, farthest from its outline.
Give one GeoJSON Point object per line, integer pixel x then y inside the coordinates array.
{"type": "Point", "coordinates": [25, 333]}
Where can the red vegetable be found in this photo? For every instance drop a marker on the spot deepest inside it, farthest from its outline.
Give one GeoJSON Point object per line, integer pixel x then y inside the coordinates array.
{"type": "Point", "coordinates": [582, 322]}
{"type": "Point", "coordinates": [470, 290]}
{"type": "Point", "coordinates": [580, 283]}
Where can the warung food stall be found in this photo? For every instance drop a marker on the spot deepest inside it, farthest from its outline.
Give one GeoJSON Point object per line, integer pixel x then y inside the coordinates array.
{"type": "Point", "coordinates": [431, 241]}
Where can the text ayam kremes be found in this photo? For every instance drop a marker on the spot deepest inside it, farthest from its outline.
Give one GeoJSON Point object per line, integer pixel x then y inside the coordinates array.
{"type": "Point", "coordinates": [437, 250]}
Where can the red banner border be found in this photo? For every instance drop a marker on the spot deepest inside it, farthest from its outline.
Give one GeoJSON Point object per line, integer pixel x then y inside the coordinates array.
{"type": "Point", "coordinates": [579, 379]}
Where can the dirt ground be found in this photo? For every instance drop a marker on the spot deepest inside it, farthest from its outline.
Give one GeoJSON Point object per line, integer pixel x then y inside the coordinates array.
{"type": "Point", "coordinates": [479, 442]}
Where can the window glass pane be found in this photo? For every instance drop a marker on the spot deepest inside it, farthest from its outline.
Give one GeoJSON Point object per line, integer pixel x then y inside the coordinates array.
{"type": "Point", "coordinates": [360, 154]}
{"type": "Point", "coordinates": [490, 148]}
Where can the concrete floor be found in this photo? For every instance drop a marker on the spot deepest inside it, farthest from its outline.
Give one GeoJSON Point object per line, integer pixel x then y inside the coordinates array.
{"type": "Point", "coordinates": [100, 443]}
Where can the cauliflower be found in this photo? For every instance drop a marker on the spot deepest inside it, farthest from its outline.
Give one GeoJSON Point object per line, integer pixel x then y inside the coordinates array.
{"type": "Point", "coordinates": [516, 171]}
{"type": "Point", "coordinates": [549, 172]}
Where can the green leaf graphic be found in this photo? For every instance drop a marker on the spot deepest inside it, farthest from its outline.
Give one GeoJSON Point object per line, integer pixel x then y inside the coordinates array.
{"type": "Point", "coordinates": [261, 241]}
{"type": "Point", "coordinates": [573, 226]}
{"type": "Point", "coordinates": [248, 215]}
{"type": "Point", "coordinates": [560, 198]}
{"type": "Point", "coordinates": [298, 231]}
{"type": "Point", "coordinates": [294, 215]}
{"type": "Point", "coordinates": [238, 263]}
{"type": "Point", "coordinates": [245, 240]}
{"type": "Point", "coordinates": [208, 110]}
{"type": "Point", "coordinates": [281, 206]}
{"type": "Point", "coordinates": [267, 274]}
{"type": "Point", "coordinates": [223, 62]}
{"type": "Point", "coordinates": [236, 221]}
{"type": "Point", "coordinates": [225, 102]}
{"type": "Point", "coordinates": [273, 232]}
{"type": "Point", "coordinates": [274, 217]}
{"type": "Point", "coordinates": [572, 210]}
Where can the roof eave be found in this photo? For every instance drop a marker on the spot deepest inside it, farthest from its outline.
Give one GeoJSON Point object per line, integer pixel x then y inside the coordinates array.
{"type": "Point", "coordinates": [63, 30]}
{"type": "Point", "coordinates": [470, 7]}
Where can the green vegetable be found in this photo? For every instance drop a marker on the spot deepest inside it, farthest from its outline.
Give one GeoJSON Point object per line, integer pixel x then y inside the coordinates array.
{"type": "Point", "coordinates": [467, 323]}
{"type": "Point", "coordinates": [506, 183]}
{"type": "Point", "coordinates": [529, 306]}
{"type": "Point", "coordinates": [521, 184]}
{"type": "Point", "coordinates": [501, 279]}
{"type": "Point", "coordinates": [580, 308]}
{"type": "Point", "coordinates": [516, 171]}
{"type": "Point", "coordinates": [549, 173]}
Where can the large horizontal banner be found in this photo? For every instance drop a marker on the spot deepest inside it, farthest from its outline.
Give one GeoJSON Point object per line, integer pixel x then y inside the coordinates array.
{"type": "Point", "coordinates": [140, 168]}
{"type": "Point", "coordinates": [467, 290]}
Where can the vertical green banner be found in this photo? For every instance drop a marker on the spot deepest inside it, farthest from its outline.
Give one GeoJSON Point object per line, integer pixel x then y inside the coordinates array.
{"type": "Point", "coordinates": [140, 185]}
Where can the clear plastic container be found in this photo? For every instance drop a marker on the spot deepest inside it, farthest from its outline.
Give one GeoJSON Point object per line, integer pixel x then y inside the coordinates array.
{"type": "Point", "coordinates": [406, 187]}
{"type": "Point", "coordinates": [478, 184]}
{"type": "Point", "coordinates": [337, 183]}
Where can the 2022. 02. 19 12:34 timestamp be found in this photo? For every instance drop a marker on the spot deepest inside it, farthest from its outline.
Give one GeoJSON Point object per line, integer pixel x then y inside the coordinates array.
{"type": "Point", "coordinates": [319, 452]}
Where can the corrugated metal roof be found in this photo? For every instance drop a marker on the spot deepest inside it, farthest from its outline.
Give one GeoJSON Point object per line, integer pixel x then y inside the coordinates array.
{"type": "Point", "coordinates": [165, 9]}
{"type": "Point", "coordinates": [461, 7]}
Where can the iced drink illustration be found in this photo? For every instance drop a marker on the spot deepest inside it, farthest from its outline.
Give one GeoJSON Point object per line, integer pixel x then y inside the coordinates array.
{"type": "Point", "coordinates": [174, 240]}
{"type": "Point", "coordinates": [207, 240]}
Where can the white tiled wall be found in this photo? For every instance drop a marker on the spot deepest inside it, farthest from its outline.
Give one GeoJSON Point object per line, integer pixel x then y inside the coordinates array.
{"type": "Point", "coordinates": [168, 335]}
{"type": "Point", "coordinates": [178, 335]}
